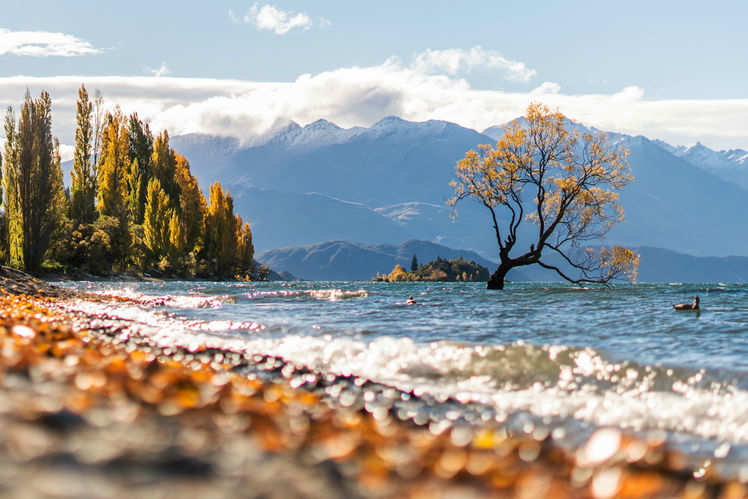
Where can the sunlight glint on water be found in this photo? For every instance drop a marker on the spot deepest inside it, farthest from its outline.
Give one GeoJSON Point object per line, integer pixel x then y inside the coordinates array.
{"type": "Point", "coordinates": [619, 357]}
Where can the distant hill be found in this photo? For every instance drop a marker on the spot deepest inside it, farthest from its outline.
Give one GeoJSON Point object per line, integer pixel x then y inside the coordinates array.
{"type": "Point", "coordinates": [346, 261]}
{"type": "Point", "coordinates": [661, 265]}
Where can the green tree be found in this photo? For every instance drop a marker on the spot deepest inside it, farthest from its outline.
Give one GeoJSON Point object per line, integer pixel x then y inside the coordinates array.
{"type": "Point", "coordinates": [565, 182]}
{"type": "Point", "coordinates": [33, 182]}
{"type": "Point", "coordinates": [414, 264]}
{"type": "Point", "coordinates": [83, 188]}
{"type": "Point", "coordinates": [88, 247]}
{"type": "Point", "coordinates": [164, 163]}
{"type": "Point", "coordinates": [140, 153]}
{"type": "Point", "coordinates": [3, 234]}
{"type": "Point", "coordinates": [156, 223]}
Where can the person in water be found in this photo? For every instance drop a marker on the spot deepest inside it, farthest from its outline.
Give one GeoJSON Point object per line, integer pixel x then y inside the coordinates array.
{"type": "Point", "coordinates": [688, 306]}
{"type": "Point", "coordinates": [410, 301]}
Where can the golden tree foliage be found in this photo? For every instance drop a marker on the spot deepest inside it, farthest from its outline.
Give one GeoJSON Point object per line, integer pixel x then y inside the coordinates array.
{"type": "Point", "coordinates": [177, 237]}
{"type": "Point", "coordinates": [398, 274]}
{"type": "Point", "coordinates": [245, 250]}
{"type": "Point", "coordinates": [564, 181]}
{"type": "Point", "coordinates": [220, 230]}
{"type": "Point", "coordinates": [192, 205]}
{"type": "Point", "coordinates": [113, 168]}
{"type": "Point", "coordinates": [134, 199]}
{"type": "Point", "coordinates": [113, 173]}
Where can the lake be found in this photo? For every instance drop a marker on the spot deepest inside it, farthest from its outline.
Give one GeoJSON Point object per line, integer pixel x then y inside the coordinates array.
{"type": "Point", "coordinates": [535, 355]}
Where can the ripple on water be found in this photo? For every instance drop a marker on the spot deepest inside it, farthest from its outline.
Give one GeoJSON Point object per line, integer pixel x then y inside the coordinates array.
{"type": "Point", "coordinates": [618, 357]}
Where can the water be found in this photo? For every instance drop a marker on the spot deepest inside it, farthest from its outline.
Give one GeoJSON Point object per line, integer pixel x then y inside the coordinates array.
{"type": "Point", "coordinates": [570, 358]}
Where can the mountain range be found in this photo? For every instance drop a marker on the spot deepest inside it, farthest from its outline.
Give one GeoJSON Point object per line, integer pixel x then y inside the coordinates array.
{"type": "Point", "coordinates": [389, 183]}
{"type": "Point", "coordinates": [348, 261]}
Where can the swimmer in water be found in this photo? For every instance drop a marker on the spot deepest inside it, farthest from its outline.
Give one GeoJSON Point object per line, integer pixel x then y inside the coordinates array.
{"type": "Point", "coordinates": [410, 301]}
{"type": "Point", "coordinates": [688, 306]}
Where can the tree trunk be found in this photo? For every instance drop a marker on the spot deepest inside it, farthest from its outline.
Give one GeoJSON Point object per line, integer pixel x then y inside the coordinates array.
{"type": "Point", "coordinates": [496, 281]}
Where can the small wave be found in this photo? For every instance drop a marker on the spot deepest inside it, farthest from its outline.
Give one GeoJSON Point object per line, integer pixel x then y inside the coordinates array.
{"type": "Point", "coordinates": [319, 294]}
{"type": "Point", "coordinates": [174, 301]}
{"type": "Point", "coordinates": [548, 381]}
{"type": "Point", "coordinates": [336, 294]}
{"type": "Point", "coordinates": [554, 381]}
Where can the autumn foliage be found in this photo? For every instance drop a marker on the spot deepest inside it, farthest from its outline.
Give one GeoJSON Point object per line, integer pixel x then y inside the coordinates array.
{"type": "Point", "coordinates": [562, 181]}
{"type": "Point", "coordinates": [133, 204]}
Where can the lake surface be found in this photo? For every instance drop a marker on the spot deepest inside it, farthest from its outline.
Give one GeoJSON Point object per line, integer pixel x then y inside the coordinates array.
{"type": "Point", "coordinates": [550, 354]}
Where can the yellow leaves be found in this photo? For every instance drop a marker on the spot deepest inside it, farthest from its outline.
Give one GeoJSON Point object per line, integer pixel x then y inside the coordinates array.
{"type": "Point", "coordinates": [398, 274]}
{"type": "Point", "coordinates": [567, 184]}
{"type": "Point", "coordinates": [619, 260]}
{"type": "Point", "coordinates": [572, 178]}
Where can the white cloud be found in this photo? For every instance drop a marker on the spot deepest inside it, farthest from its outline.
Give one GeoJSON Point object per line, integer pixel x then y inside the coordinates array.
{"type": "Point", "coordinates": [273, 19]}
{"type": "Point", "coordinates": [43, 44]}
{"type": "Point", "coordinates": [454, 61]}
{"type": "Point", "coordinates": [67, 151]}
{"type": "Point", "coordinates": [160, 71]}
{"type": "Point", "coordinates": [363, 95]}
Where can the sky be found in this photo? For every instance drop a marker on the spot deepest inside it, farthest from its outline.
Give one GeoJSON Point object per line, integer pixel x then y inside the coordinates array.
{"type": "Point", "coordinates": [669, 70]}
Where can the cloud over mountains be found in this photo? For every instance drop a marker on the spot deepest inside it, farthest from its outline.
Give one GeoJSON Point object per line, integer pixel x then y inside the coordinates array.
{"type": "Point", "coordinates": [428, 87]}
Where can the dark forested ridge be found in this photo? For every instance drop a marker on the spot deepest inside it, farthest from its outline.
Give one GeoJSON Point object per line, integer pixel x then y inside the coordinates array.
{"type": "Point", "coordinates": [133, 202]}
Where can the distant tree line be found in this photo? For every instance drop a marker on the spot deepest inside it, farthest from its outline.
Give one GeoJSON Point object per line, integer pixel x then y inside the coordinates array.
{"type": "Point", "coordinates": [439, 269]}
{"type": "Point", "coordinates": [133, 203]}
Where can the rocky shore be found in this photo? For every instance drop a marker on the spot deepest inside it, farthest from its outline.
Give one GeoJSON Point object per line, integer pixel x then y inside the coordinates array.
{"type": "Point", "coordinates": [86, 411]}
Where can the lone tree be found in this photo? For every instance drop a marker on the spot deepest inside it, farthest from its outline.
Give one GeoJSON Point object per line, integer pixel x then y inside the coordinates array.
{"type": "Point", "coordinates": [562, 181]}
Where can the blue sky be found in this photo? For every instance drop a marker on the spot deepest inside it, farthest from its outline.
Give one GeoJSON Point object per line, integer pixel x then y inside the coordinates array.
{"type": "Point", "coordinates": [670, 70]}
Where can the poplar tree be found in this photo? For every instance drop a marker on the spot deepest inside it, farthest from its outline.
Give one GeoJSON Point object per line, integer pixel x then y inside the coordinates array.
{"type": "Point", "coordinates": [165, 166]}
{"type": "Point", "coordinates": [220, 231]}
{"type": "Point", "coordinates": [141, 170]}
{"type": "Point", "coordinates": [83, 188]}
{"type": "Point", "coordinates": [156, 222]}
{"type": "Point", "coordinates": [33, 182]}
{"type": "Point", "coordinates": [192, 205]}
{"type": "Point", "coordinates": [113, 171]}
{"type": "Point", "coordinates": [12, 229]}
{"type": "Point", "coordinates": [177, 240]}
{"type": "Point", "coordinates": [245, 251]}
{"type": "Point", "coordinates": [3, 239]}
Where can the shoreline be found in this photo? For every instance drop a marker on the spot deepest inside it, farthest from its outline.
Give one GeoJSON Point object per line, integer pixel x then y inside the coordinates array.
{"type": "Point", "coordinates": [90, 406]}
